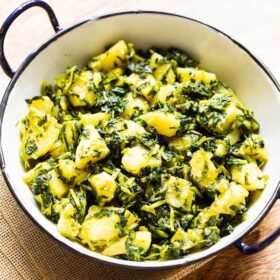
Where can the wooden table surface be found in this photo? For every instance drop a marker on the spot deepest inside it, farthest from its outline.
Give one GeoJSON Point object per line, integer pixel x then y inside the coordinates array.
{"type": "Point", "coordinates": [253, 23]}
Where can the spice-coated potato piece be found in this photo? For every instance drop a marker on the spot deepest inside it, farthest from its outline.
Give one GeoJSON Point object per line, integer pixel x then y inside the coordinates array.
{"type": "Point", "coordinates": [81, 92]}
{"type": "Point", "coordinates": [57, 186]}
{"type": "Point", "coordinates": [96, 119]}
{"type": "Point", "coordinates": [42, 104]}
{"type": "Point", "coordinates": [253, 146]}
{"type": "Point", "coordinates": [100, 226]}
{"type": "Point", "coordinates": [135, 106]}
{"type": "Point", "coordinates": [69, 173]}
{"type": "Point", "coordinates": [203, 170]}
{"type": "Point", "coordinates": [67, 225]}
{"type": "Point", "coordinates": [165, 95]}
{"type": "Point", "coordinates": [186, 74]}
{"type": "Point", "coordinates": [91, 148]}
{"type": "Point", "coordinates": [184, 142]}
{"type": "Point", "coordinates": [145, 85]}
{"type": "Point", "coordinates": [165, 74]}
{"type": "Point", "coordinates": [30, 175]}
{"type": "Point", "coordinates": [249, 176]}
{"type": "Point", "coordinates": [40, 135]}
{"type": "Point", "coordinates": [114, 57]}
{"type": "Point", "coordinates": [104, 186]}
{"type": "Point", "coordinates": [165, 123]}
{"type": "Point", "coordinates": [142, 240]}
{"type": "Point", "coordinates": [178, 192]}
{"type": "Point", "coordinates": [137, 158]}
{"type": "Point", "coordinates": [235, 195]}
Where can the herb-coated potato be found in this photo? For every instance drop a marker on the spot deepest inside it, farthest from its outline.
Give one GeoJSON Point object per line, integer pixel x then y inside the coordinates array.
{"type": "Point", "coordinates": [178, 193]}
{"type": "Point", "coordinates": [249, 176]}
{"type": "Point", "coordinates": [235, 195]}
{"type": "Point", "coordinates": [40, 135]}
{"type": "Point", "coordinates": [91, 148]}
{"type": "Point", "coordinates": [165, 74]}
{"type": "Point", "coordinates": [67, 226]}
{"type": "Point", "coordinates": [165, 123]}
{"type": "Point", "coordinates": [137, 158]}
{"type": "Point", "coordinates": [57, 186]}
{"type": "Point", "coordinates": [100, 226]}
{"type": "Point", "coordinates": [253, 146]}
{"type": "Point", "coordinates": [81, 92]}
{"type": "Point", "coordinates": [203, 170]}
{"type": "Point", "coordinates": [94, 119]}
{"type": "Point", "coordinates": [135, 106]}
{"type": "Point", "coordinates": [104, 186]}
{"type": "Point", "coordinates": [145, 85]}
{"type": "Point", "coordinates": [112, 58]}
{"type": "Point", "coordinates": [142, 240]}
{"type": "Point", "coordinates": [186, 74]}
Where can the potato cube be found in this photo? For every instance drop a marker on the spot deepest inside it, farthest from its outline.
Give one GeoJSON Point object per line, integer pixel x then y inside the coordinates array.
{"type": "Point", "coordinates": [104, 186]}
{"type": "Point", "coordinates": [203, 170]}
{"type": "Point", "coordinates": [136, 158]}
{"type": "Point", "coordinates": [178, 193]}
{"type": "Point", "coordinates": [91, 148]}
{"type": "Point", "coordinates": [165, 123]}
{"type": "Point", "coordinates": [249, 176]}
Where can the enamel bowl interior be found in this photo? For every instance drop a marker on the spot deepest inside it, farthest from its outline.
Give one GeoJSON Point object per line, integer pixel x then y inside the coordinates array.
{"type": "Point", "coordinates": [215, 51]}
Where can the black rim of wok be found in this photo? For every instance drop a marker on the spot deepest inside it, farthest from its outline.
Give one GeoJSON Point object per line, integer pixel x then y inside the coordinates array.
{"type": "Point", "coordinates": [114, 261]}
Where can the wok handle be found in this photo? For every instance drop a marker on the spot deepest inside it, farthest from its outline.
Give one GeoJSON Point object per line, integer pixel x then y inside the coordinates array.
{"type": "Point", "coordinates": [251, 249]}
{"type": "Point", "coordinates": [11, 18]}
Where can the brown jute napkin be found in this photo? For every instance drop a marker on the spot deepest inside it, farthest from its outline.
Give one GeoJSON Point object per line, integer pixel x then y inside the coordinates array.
{"type": "Point", "coordinates": [28, 253]}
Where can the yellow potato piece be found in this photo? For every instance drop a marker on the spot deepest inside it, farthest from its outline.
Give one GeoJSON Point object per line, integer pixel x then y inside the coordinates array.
{"type": "Point", "coordinates": [80, 93]}
{"type": "Point", "coordinates": [57, 186]}
{"type": "Point", "coordinates": [134, 105]}
{"type": "Point", "coordinates": [235, 195]}
{"type": "Point", "coordinates": [116, 248]}
{"type": "Point", "coordinates": [42, 104]}
{"type": "Point", "coordinates": [136, 158]}
{"type": "Point", "coordinates": [253, 146]}
{"type": "Point", "coordinates": [129, 128]}
{"type": "Point", "coordinates": [178, 193]}
{"type": "Point", "coordinates": [188, 239]}
{"type": "Point", "coordinates": [165, 74]}
{"type": "Point", "coordinates": [203, 169]}
{"type": "Point", "coordinates": [154, 60]}
{"type": "Point", "coordinates": [146, 86]}
{"type": "Point", "coordinates": [67, 226]}
{"type": "Point", "coordinates": [142, 240]}
{"type": "Point", "coordinates": [58, 149]}
{"type": "Point", "coordinates": [231, 114]}
{"type": "Point", "coordinates": [96, 119]}
{"type": "Point", "coordinates": [39, 139]}
{"type": "Point", "coordinates": [165, 95]}
{"type": "Point", "coordinates": [91, 148]}
{"type": "Point", "coordinates": [249, 176]}
{"type": "Point", "coordinates": [104, 186]}
{"type": "Point", "coordinates": [100, 231]}
{"type": "Point", "coordinates": [233, 136]}
{"type": "Point", "coordinates": [30, 175]}
{"type": "Point", "coordinates": [183, 143]}
{"type": "Point", "coordinates": [165, 123]}
{"type": "Point", "coordinates": [186, 74]}
{"type": "Point", "coordinates": [70, 173]}
{"type": "Point", "coordinates": [114, 57]}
